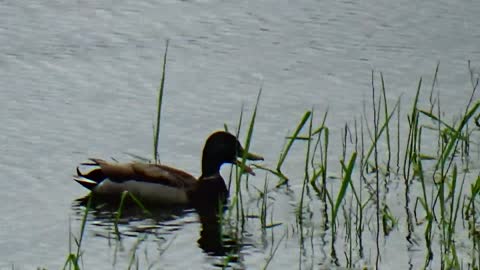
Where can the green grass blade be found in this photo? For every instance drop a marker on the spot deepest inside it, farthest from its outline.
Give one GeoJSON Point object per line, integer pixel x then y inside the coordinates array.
{"type": "Point", "coordinates": [119, 213]}
{"type": "Point", "coordinates": [156, 135]}
{"type": "Point", "coordinates": [348, 170]}
{"type": "Point", "coordinates": [251, 125]}
{"type": "Point", "coordinates": [284, 153]}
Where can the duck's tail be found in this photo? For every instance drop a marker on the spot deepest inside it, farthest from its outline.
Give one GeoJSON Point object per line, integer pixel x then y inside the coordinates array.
{"type": "Point", "coordinates": [91, 179]}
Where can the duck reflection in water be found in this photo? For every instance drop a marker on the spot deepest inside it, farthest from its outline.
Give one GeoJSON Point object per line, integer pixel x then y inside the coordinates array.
{"type": "Point", "coordinates": [155, 184]}
{"type": "Point", "coordinates": [213, 239]}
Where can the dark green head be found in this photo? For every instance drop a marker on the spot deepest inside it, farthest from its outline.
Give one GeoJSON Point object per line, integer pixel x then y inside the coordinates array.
{"type": "Point", "coordinates": [222, 147]}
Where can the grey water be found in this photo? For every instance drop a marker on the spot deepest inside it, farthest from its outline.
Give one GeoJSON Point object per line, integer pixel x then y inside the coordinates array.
{"type": "Point", "coordinates": [79, 79]}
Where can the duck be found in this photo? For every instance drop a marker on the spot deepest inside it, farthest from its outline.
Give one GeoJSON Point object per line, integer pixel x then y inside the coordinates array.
{"type": "Point", "coordinates": [165, 185]}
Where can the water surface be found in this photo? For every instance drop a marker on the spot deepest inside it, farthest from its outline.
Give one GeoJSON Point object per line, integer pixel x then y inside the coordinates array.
{"type": "Point", "coordinates": [79, 80]}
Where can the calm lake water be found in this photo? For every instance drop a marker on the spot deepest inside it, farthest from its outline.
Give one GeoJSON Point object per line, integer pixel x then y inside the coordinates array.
{"type": "Point", "coordinates": [79, 80]}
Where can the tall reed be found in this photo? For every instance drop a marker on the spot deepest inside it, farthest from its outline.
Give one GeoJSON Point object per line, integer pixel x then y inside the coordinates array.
{"type": "Point", "coordinates": [156, 134]}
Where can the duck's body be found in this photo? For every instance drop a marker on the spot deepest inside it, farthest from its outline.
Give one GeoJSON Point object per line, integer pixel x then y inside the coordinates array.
{"type": "Point", "coordinates": [152, 182]}
{"type": "Point", "coordinates": [165, 185]}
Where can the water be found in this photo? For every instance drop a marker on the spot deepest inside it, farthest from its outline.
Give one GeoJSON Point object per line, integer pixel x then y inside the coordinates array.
{"type": "Point", "coordinates": [79, 80]}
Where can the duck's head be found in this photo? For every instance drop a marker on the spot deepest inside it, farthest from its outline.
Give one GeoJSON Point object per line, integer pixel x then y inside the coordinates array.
{"type": "Point", "coordinates": [222, 147]}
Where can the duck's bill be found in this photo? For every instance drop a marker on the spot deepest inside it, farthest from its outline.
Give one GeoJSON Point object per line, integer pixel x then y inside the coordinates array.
{"type": "Point", "coordinates": [249, 156]}
{"type": "Point", "coordinates": [244, 167]}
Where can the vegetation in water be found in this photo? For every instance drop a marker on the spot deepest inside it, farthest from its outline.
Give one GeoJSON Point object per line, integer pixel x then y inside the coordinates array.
{"type": "Point", "coordinates": [346, 215]}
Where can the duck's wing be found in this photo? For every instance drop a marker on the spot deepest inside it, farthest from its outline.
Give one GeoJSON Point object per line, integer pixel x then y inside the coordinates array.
{"type": "Point", "coordinates": [156, 173]}
{"type": "Point", "coordinates": [143, 172]}
{"type": "Point", "coordinates": [117, 172]}
{"type": "Point", "coordinates": [102, 170]}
